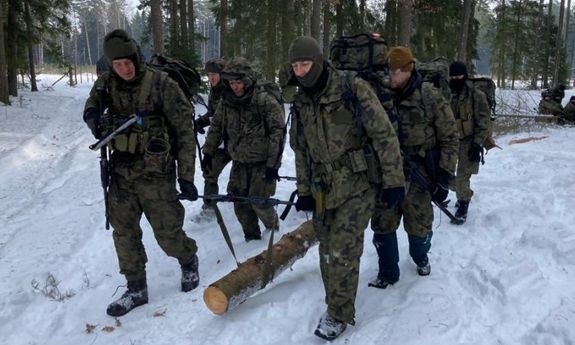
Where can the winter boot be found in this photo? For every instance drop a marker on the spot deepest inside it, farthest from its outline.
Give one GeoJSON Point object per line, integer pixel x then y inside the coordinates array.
{"type": "Point", "coordinates": [461, 213]}
{"type": "Point", "coordinates": [388, 254]}
{"type": "Point", "coordinates": [190, 276]}
{"type": "Point", "coordinates": [329, 327]}
{"type": "Point", "coordinates": [418, 249]}
{"type": "Point", "coordinates": [136, 295]}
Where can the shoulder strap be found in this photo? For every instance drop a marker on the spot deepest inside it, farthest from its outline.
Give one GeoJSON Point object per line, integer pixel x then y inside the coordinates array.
{"type": "Point", "coordinates": [351, 102]}
{"type": "Point", "coordinates": [429, 104]}
{"type": "Point", "coordinates": [146, 89]}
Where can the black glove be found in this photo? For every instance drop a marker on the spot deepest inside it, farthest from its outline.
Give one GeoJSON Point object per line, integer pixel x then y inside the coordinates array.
{"type": "Point", "coordinates": [304, 203]}
{"type": "Point", "coordinates": [271, 175]}
{"type": "Point", "coordinates": [475, 152]}
{"type": "Point", "coordinates": [207, 163]}
{"type": "Point", "coordinates": [200, 123]}
{"type": "Point", "coordinates": [441, 187]}
{"type": "Point", "coordinates": [92, 119]}
{"type": "Point", "coordinates": [393, 197]}
{"type": "Point", "coordinates": [187, 190]}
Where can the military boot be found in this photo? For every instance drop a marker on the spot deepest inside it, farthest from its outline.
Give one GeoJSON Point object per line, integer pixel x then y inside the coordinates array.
{"type": "Point", "coordinates": [329, 327]}
{"type": "Point", "coordinates": [190, 275]}
{"type": "Point", "coordinates": [136, 295]}
{"type": "Point", "coordinates": [388, 259]}
{"type": "Point", "coordinates": [461, 213]}
{"type": "Point", "coordinates": [418, 249]}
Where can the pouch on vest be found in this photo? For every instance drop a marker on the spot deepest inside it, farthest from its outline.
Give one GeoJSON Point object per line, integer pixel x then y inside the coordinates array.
{"type": "Point", "coordinates": [157, 156]}
{"type": "Point", "coordinates": [373, 166]}
{"type": "Point", "coordinates": [358, 161]}
{"type": "Point", "coordinates": [465, 127]}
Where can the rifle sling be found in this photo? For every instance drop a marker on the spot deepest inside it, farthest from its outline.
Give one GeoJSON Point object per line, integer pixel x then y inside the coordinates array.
{"type": "Point", "coordinates": [288, 206]}
{"type": "Point", "coordinates": [225, 232]}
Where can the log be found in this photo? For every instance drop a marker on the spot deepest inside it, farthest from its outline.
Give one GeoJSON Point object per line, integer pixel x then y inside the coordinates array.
{"type": "Point", "coordinates": [250, 276]}
{"type": "Point", "coordinates": [526, 140]}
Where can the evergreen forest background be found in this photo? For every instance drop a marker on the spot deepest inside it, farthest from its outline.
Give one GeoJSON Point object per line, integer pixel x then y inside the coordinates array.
{"type": "Point", "coordinates": [525, 41]}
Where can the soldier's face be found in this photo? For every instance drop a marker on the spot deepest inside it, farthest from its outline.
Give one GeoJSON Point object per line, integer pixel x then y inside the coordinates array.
{"type": "Point", "coordinates": [213, 78]}
{"type": "Point", "coordinates": [300, 68]}
{"type": "Point", "coordinates": [399, 77]}
{"type": "Point", "coordinates": [237, 87]}
{"type": "Point", "coordinates": [124, 68]}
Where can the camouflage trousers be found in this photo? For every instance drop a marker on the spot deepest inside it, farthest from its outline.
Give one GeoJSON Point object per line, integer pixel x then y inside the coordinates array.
{"type": "Point", "coordinates": [461, 184]}
{"type": "Point", "coordinates": [248, 179]}
{"type": "Point", "coordinates": [220, 159]}
{"type": "Point", "coordinates": [340, 234]}
{"type": "Point", "coordinates": [155, 197]}
{"type": "Point", "coordinates": [417, 213]}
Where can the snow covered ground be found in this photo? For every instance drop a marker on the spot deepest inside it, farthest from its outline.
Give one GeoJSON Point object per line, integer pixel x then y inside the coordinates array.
{"type": "Point", "coordinates": [504, 277]}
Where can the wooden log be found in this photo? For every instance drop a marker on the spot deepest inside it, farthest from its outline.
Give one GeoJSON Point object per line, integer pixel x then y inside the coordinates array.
{"type": "Point", "coordinates": [235, 287]}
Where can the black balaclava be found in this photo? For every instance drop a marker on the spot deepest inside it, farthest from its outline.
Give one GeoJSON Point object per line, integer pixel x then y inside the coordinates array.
{"type": "Point", "coordinates": [455, 69]}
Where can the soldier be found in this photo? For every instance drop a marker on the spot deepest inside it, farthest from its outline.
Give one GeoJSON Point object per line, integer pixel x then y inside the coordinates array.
{"type": "Point", "coordinates": [102, 66]}
{"type": "Point", "coordinates": [221, 157]}
{"type": "Point", "coordinates": [471, 111]}
{"type": "Point", "coordinates": [252, 120]}
{"type": "Point", "coordinates": [143, 165]}
{"type": "Point", "coordinates": [429, 143]}
{"type": "Point", "coordinates": [568, 115]}
{"type": "Point", "coordinates": [332, 171]}
{"type": "Point", "coordinates": [550, 105]}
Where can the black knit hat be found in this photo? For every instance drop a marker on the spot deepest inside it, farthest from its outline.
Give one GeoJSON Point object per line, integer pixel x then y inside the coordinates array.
{"type": "Point", "coordinates": [119, 45]}
{"type": "Point", "coordinates": [305, 48]}
{"type": "Point", "coordinates": [215, 65]}
{"type": "Point", "coordinates": [457, 68]}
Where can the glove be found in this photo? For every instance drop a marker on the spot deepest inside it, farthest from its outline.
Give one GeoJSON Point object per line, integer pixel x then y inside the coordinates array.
{"type": "Point", "coordinates": [200, 123]}
{"type": "Point", "coordinates": [441, 187]}
{"type": "Point", "coordinates": [475, 152]}
{"type": "Point", "coordinates": [92, 119]}
{"type": "Point", "coordinates": [187, 190]}
{"type": "Point", "coordinates": [304, 203]}
{"type": "Point", "coordinates": [207, 163]}
{"type": "Point", "coordinates": [271, 175]}
{"type": "Point", "coordinates": [393, 197]}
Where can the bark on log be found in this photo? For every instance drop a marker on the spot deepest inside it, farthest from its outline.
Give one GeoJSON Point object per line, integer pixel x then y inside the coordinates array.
{"type": "Point", "coordinates": [235, 287]}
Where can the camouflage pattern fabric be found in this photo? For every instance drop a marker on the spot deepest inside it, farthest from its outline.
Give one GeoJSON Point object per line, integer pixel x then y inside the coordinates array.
{"type": "Point", "coordinates": [248, 180]}
{"type": "Point", "coordinates": [156, 198]}
{"type": "Point", "coordinates": [340, 234]}
{"type": "Point", "coordinates": [214, 98]}
{"type": "Point", "coordinates": [569, 113]}
{"type": "Point", "coordinates": [140, 188]}
{"type": "Point", "coordinates": [220, 160]}
{"type": "Point", "coordinates": [328, 156]}
{"type": "Point", "coordinates": [549, 107]}
{"type": "Point", "coordinates": [470, 105]}
{"type": "Point", "coordinates": [325, 139]}
{"type": "Point", "coordinates": [422, 128]}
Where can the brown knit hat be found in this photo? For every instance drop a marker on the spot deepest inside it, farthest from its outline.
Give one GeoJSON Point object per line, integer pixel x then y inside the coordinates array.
{"type": "Point", "coordinates": [399, 57]}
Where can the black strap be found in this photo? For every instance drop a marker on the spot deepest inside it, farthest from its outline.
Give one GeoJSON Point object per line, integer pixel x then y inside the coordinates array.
{"type": "Point", "coordinates": [288, 206]}
{"type": "Point", "coordinates": [225, 231]}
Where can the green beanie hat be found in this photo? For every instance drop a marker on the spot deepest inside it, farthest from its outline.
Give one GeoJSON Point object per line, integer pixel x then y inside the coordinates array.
{"type": "Point", "coordinates": [305, 48]}
{"type": "Point", "coordinates": [119, 45]}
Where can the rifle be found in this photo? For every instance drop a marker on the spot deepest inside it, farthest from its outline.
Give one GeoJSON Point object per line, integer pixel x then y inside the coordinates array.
{"type": "Point", "coordinates": [429, 186]}
{"type": "Point", "coordinates": [254, 200]}
{"type": "Point", "coordinates": [105, 164]}
{"type": "Point", "coordinates": [288, 178]}
{"type": "Point", "coordinates": [102, 142]}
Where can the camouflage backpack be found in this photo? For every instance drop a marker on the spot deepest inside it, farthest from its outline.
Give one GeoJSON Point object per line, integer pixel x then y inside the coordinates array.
{"type": "Point", "coordinates": [360, 53]}
{"type": "Point", "coordinates": [436, 72]}
{"type": "Point", "coordinates": [272, 89]}
{"type": "Point", "coordinates": [180, 71]}
{"type": "Point", "coordinates": [487, 86]}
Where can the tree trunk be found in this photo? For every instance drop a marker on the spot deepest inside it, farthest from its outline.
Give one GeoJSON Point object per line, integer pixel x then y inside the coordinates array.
{"type": "Point", "coordinates": [405, 14]}
{"type": "Point", "coordinates": [157, 26]}
{"type": "Point", "coordinates": [191, 27]}
{"type": "Point", "coordinates": [316, 19]}
{"type": "Point", "coordinates": [184, 26]}
{"type": "Point", "coordinates": [234, 288]}
{"type": "Point", "coordinates": [547, 46]}
{"type": "Point", "coordinates": [12, 49]}
{"type": "Point", "coordinates": [462, 52]}
{"type": "Point", "coordinates": [3, 69]}
{"type": "Point", "coordinates": [30, 39]}
{"type": "Point", "coordinates": [362, 15]}
{"type": "Point", "coordinates": [326, 27]}
{"type": "Point", "coordinates": [515, 47]}
{"type": "Point", "coordinates": [559, 45]}
{"type": "Point", "coordinates": [390, 22]}
{"type": "Point", "coordinates": [271, 51]}
{"type": "Point", "coordinates": [224, 46]}
{"type": "Point", "coordinates": [339, 19]}
{"type": "Point", "coordinates": [174, 27]}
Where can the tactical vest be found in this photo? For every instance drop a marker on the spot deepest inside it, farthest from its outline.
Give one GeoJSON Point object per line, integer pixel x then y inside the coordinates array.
{"type": "Point", "coordinates": [463, 112]}
{"type": "Point", "coordinates": [151, 127]}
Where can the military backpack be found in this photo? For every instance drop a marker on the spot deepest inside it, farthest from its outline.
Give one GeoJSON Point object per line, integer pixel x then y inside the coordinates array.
{"type": "Point", "coordinates": [436, 72]}
{"type": "Point", "coordinates": [180, 71]}
{"type": "Point", "coordinates": [487, 86]}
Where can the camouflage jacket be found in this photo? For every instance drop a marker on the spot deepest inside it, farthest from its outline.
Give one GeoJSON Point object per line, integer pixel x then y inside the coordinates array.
{"type": "Point", "coordinates": [426, 122]}
{"type": "Point", "coordinates": [254, 130]}
{"type": "Point", "coordinates": [164, 109]}
{"type": "Point", "coordinates": [550, 107]}
{"type": "Point", "coordinates": [214, 98]}
{"type": "Point", "coordinates": [328, 146]}
{"type": "Point", "coordinates": [472, 114]}
{"type": "Point", "coordinates": [569, 113]}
